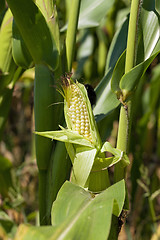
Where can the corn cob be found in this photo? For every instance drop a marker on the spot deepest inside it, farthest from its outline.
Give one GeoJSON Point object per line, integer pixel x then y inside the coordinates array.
{"type": "Point", "coordinates": [77, 110]}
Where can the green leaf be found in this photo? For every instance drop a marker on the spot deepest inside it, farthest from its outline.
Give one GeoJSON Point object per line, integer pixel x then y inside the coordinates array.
{"type": "Point", "coordinates": [76, 214]}
{"type": "Point", "coordinates": [67, 136]}
{"type": "Point", "coordinates": [35, 32]}
{"type": "Point", "coordinates": [129, 81]}
{"type": "Point", "coordinates": [118, 44]}
{"type": "Point", "coordinates": [58, 172]}
{"type": "Point", "coordinates": [118, 72]}
{"type": "Point", "coordinates": [84, 51]}
{"type": "Point", "coordinates": [107, 147]}
{"type": "Point", "coordinates": [19, 51]}
{"type": "Point", "coordinates": [44, 112]}
{"type": "Point", "coordinates": [106, 99]}
{"type": "Point", "coordinates": [48, 9]}
{"type": "Point", "coordinates": [101, 163]}
{"type": "Point", "coordinates": [28, 232]}
{"type": "Point", "coordinates": [5, 42]}
{"type": "Point", "coordinates": [82, 165]}
{"type": "Point", "coordinates": [148, 32]}
{"type": "Point", "coordinates": [71, 151]}
{"type": "Point", "coordinates": [92, 12]}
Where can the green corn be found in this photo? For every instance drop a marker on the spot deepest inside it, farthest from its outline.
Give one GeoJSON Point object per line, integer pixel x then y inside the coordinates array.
{"type": "Point", "coordinates": [77, 110]}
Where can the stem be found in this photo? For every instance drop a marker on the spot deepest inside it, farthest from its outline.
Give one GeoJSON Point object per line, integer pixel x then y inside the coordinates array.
{"type": "Point", "coordinates": [122, 142]}
{"type": "Point", "coordinates": [125, 119]}
{"type": "Point", "coordinates": [153, 215]}
{"type": "Point", "coordinates": [132, 35]}
{"type": "Point", "coordinates": [71, 32]}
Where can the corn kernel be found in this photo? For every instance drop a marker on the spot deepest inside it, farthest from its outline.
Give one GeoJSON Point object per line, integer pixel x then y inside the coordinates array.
{"type": "Point", "coordinates": [77, 109]}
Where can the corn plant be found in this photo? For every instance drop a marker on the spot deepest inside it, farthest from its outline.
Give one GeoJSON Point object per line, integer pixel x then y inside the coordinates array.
{"type": "Point", "coordinates": [77, 195]}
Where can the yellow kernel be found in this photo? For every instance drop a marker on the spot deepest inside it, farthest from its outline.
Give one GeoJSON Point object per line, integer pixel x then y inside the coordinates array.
{"type": "Point", "coordinates": [78, 121]}
{"type": "Point", "coordinates": [82, 127]}
{"type": "Point", "coordinates": [82, 132]}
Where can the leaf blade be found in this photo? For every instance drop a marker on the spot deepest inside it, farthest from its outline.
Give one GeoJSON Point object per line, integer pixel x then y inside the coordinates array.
{"type": "Point", "coordinates": [35, 32]}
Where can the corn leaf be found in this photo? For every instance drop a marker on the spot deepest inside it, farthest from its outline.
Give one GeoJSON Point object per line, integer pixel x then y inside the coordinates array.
{"type": "Point", "coordinates": [48, 9]}
{"type": "Point", "coordinates": [59, 169]}
{"type": "Point", "coordinates": [101, 163]}
{"type": "Point", "coordinates": [19, 50]}
{"type": "Point", "coordinates": [149, 31]}
{"type": "Point", "coordinates": [118, 73]}
{"type": "Point", "coordinates": [44, 96]}
{"type": "Point", "coordinates": [5, 42]}
{"type": "Point", "coordinates": [71, 151]}
{"type": "Point", "coordinates": [75, 212]}
{"type": "Point", "coordinates": [26, 232]}
{"type": "Point", "coordinates": [106, 99]}
{"type": "Point", "coordinates": [107, 147]}
{"type": "Point", "coordinates": [82, 165]}
{"type": "Point", "coordinates": [149, 44]}
{"type": "Point", "coordinates": [67, 136]}
{"type": "Point", "coordinates": [92, 12]}
{"type": "Point", "coordinates": [35, 32]}
{"type": "Point", "coordinates": [116, 49]}
{"type": "Point", "coordinates": [128, 82]}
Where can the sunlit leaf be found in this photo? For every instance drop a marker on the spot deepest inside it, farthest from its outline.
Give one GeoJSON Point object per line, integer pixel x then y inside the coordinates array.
{"type": "Point", "coordinates": [5, 42]}
{"type": "Point", "coordinates": [107, 147]}
{"type": "Point", "coordinates": [92, 12]}
{"type": "Point", "coordinates": [76, 213]}
{"type": "Point", "coordinates": [149, 32]}
{"type": "Point", "coordinates": [82, 165]}
{"type": "Point", "coordinates": [26, 232]}
{"type": "Point", "coordinates": [66, 136]}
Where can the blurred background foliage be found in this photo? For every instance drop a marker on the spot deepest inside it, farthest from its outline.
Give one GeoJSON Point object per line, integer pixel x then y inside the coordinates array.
{"type": "Point", "coordinates": [18, 170]}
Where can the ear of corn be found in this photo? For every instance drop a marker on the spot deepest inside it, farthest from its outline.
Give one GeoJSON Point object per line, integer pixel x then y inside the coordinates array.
{"type": "Point", "coordinates": [78, 112]}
